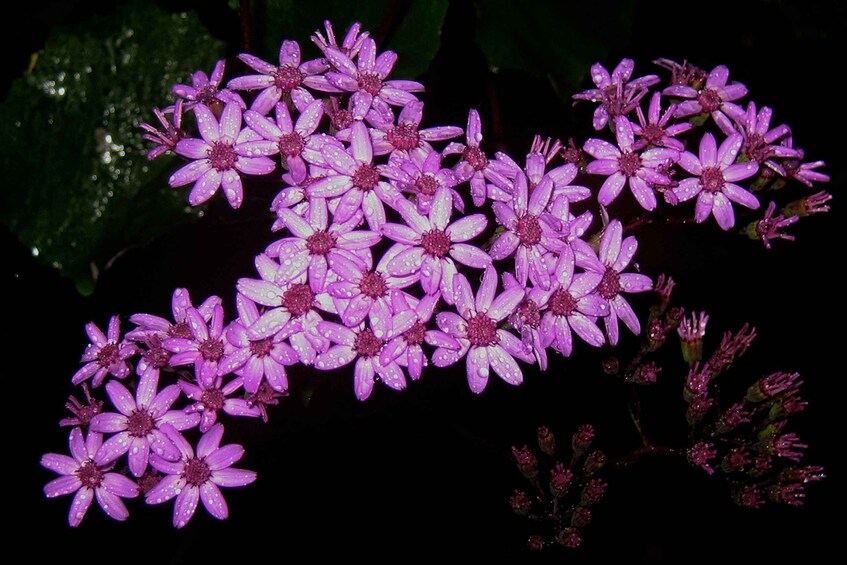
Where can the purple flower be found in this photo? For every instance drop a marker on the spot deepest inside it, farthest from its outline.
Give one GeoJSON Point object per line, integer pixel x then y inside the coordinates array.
{"type": "Point", "coordinates": [527, 319]}
{"type": "Point", "coordinates": [428, 246]}
{"type": "Point", "coordinates": [276, 81]}
{"type": "Point", "coordinates": [475, 328]}
{"type": "Point", "coordinates": [150, 324]}
{"type": "Point", "coordinates": [194, 478]}
{"type": "Point", "coordinates": [165, 140]}
{"type": "Point", "coordinates": [615, 255]}
{"type": "Point", "coordinates": [804, 172]}
{"type": "Point", "coordinates": [216, 159]}
{"type": "Point", "coordinates": [474, 162]}
{"type": "Point", "coordinates": [351, 43]}
{"type": "Point", "coordinates": [137, 425]}
{"type": "Point", "coordinates": [87, 473]}
{"type": "Point", "coordinates": [82, 413]}
{"type": "Point", "coordinates": [768, 227]}
{"type": "Point", "coordinates": [654, 129]}
{"type": "Point", "coordinates": [617, 95]}
{"type": "Point", "coordinates": [107, 354]}
{"type": "Point", "coordinates": [714, 184]}
{"type": "Point", "coordinates": [204, 348]}
{"type": "Point", "coordinates": [210, 400]}
{"type": "Point", "coordinates": [405, 135]}
{"type": "Point", "coordinates": [421, 174]}
{"type": "Point", "coordinates": [366, 290]}
{"type": "Point", "coordinates": [626, 166]}
{"type": "Point", "coordinates": [207, 90]}
{"type": "Point", "coordinates": [760, 140]}
{"type": "Point", "coordinates": [409, 331]}
{"type": "Point", "coordinates": [715, 98]}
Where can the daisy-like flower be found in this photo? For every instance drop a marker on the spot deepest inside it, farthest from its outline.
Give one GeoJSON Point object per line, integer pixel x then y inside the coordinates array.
{"type": "Point", "coordinates": [526, 236]}
{"type": "Point", "coordinates": [366, 290]}
{"type": "Point", "coordinates": [210, 400]}
{"type": "Point", "coordinates": [405, 135]}
{"type": "Point", "coordinates": [151, 324]}
{"type": "Point", "coordinates": [355, 179]}
{"type": "Point", "coordinates": [761, 141]}
{"type": "Point", "coordinates": [82, 413]}
{"type": "Point", "coordinates": [804, 172]}
{"type": "Point", "coordinates": [428, 246]}
{"type": "Point", "coordinates": [216, 159]}
{"type": "Point", "coordinates": [572, 305]}
{"type": "Point", "coordinates": [204, 349]}
{"type": "Point", "coordinates": [276, 81]}
{"type": "Point", "coordinates": [421, 174]}
{"type": "Point", "coordinates": [88, 474]}
{"type": "Point", "coordinates": [617, 95]}
{"type": "Point", "coordinates": [107, 354]}
{"type": "Point", "coordinates": [716, 98]}
{"type": "Point", "coordinates": [364, 345]}
{"type": "Point", "coordinates": [475, 328]}
{"type": "Point", "coordinates": [716, 173]}
{"type": "Point", "coordinates": [366, 79]}
{"type": "Point", "coordinates": [624, 165]}
{"type": "Point", "coordinates": [171, 133]}
{"type": "Point", "coordinates": [194, 478]}
{"type": "Point", "coordinates": [137, 424]}
{"type": "Point", "coordinates": [474, 162]}
{"type": "Point", "coordinates": [768, 227]}
{"type": "Point", "coordinates": [256, 360]}
{"type": "Point", "coordinates": [527, 319]}
{"type": "Point", "coordinates": [285, 138]}
{"type": "Point", "coordinates": [653, 129]}
{"type": "Point", "coordinates": [205, 89]}
{"type": "Point", "coordinates": [615, 255]}
{"type": "Point", "coordinates": [351, 43]}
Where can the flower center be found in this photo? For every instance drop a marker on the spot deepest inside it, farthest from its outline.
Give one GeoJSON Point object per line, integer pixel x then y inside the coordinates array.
{"type": "Point", "coordinates": [196, 472]}
{"type": "Point", "coordinates": [373, 285]}
{"type": "Point", "coordinates": [712, 179]}
{"type": "Point", "coordinates": [207, 94]}
{"type": "Point", "coordinates": [756, 148]}
{"type": "Point", "coordinates": [404, 136]}
{"type": "Point", "coordinates": [147, 481]}
{"type": "Point", "coordinates": [213, 399]}
{"type": "Point", "coordinates": [221, 156]}
{"type": "Point", "coordinates": [482, 330]}
{"type": "Point", "coordinates": [653, 134]}
{"type": "Point", "coordinates": [140, 423]}
{"type": "Point", "coordinates": [262, 347]}
{"type": "Point", "coordinates": [475, 157]}
{"type": "Point", "coordinates": [709, 99]}
{"type": "Point", "coordinates": [435, 243]}
{"type": "Point", "coordinates": [156, 355]}
{"type": "Point", "coordinates": [528, 230]}
{"type": "Point", "coordinates": [370, 83]}
{"type": "Point", "coordinates": [180, 329]}
{"type": "Point", "coordinates": [298, 299]}
{"type": "Point", "coordinates": [367, 344]}
{"type": "Point", "coordinates": [287, 78]}
{"type": "Point", "coordinates": [610, 284]}
{"type": "Point", "coordinates": [415, 334]}
{"type": "Point", "coordinates": [107, 355]}
{"type": "Point", "coordinates": [528, 313]}
{"type": "Point", "coordinates": [629, 163]}
{"type": "Point", "coordinates": [89, 474]}
{"type": "Point", "coordinates": [341, 119]}
{"type": "Point", "coordinates": [365, 177]}
{"type": "Point", "coordinates": [291, 144]}
{"type": "Point", "coordinates": [211, 349]}
{"type": "Point", "coordinates": [319, 243]}
{"type": "Point", "coordinates": [427, 184]}
{"type": "Point", "coordinates": [562, 303]}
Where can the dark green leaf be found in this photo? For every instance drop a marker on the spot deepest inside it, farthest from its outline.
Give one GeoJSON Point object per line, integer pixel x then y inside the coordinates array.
{"type": "Point", "coordinates": [79, 188]}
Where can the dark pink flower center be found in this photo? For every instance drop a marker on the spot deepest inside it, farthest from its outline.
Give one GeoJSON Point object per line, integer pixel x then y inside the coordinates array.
{"type": "Point", "coordinates": [207, 94]}
{"type": "Point", "coordinates": [709, 99]}
{"type": "Point", "coordinates": [140, 423]}
{"type": "Point", "coordinates": [291, 144]}
{"type": "Point", "coordinates": [415, 334]}
{"type": "Point", "coordinates": [365, 177]}
{"type": "Point", "coordinates": [427, 184]}
{"type": "Point", "coordinates": [475, 157]}
{"type": "Point", "coordinates": [482, 330]}
{"type": "Point", "coordinates": [156, 355]}
{"type": "Point", "coordinates": [196, 472]}
{"type": "Point", "coordinates": [528, 230]}
{"type": "Point", "coordinates": [712, 179]}
{"type": "Point", "coordinates": [261, 348]}
{"type": "Point", "coordinates": [320, 242]}
{"type": "Point", "coordinates": [756, 148]}
{"type": "Point", "coordinates": [370, 83]}
{"type": "Point", "coordinates": [341, 119]}
{"type": "Point", "coordinates": [222, 156]}
{"type": "Point", "coordinates": [614, 104]}
{"type": "Point", "coordinates": [653, 134]}
{"type": "Point", "coordinates": [528, 313]}
{"type": "Point", "coordinates": [373, 285]}
{"type": "Point", "coordinates": [562, 303]}
{"type": "Point", "coordinates": [404, 136]}
{"type": "Point", "coordinates": [298, 299]}
{"type": "Point", "coordinates": [181, 329]}
{"type": "Point", "coordinates": [287, 78]}
{"type": "Point", "coordinates": [107, 355]}
{"type": "Point", "coordinates": [148, 481]}
{"type": "Point", "coordinates": [629, 163]}
{"type": "Point", "coordinates": [213, 399]}
{"type": "Point", "coordinates": [435, 243]}
{"type": "Point", "coordinates": [610, 284]}
{"type": "Point", "coordinates": [367, 344]}
{"type": "Point", "coordinates": [211, 349]}
{"type": "Point", "coordinates": [89, 474]}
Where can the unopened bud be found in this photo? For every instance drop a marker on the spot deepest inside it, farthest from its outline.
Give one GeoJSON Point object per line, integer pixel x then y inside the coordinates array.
{"type": "Point", "coordinates": [691, 332]}
{"type": "Point", "coordinates": [546, 440]}
{"type": "Point", "coordinates": [735, 461]}
{"type": "Point", "coordinates": [582, 439]}
{"type": "Point", "coordinates": [520, 503]}
{"type": "Point", "coordinates": [611, 366]}
{"type": "Point", "coordinates": [535, 543]}
{"type": "Point", "coordinates": [595, 461]}
{"type": "Point", "coordinates": [560, 480]}
{"type": "Point", "coordinates": [581, 516]}
{"type": "Point", "coordinates": [569, 537]}
{"type": "Point", "coordinates": [593, 491]}
{"type": "Point", "coordinates": [527, 463]}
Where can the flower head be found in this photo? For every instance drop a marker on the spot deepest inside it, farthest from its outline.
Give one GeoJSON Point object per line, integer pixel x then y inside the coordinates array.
{"type": "Point", "coordinates": [107, 354]}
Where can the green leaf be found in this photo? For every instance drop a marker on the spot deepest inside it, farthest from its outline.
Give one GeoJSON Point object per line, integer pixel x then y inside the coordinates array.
{"type": "Point", "coordinates": [412, 29]}
{"type": "Point", "coordinates": [559, 40]}
{"type": "Point", "coordinates": [79, 189]}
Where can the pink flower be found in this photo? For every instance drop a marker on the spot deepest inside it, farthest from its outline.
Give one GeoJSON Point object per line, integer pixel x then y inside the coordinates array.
{"type": "Point", "coordinates": [617, 95]}
{"type": "Point", "coordinates": [716, 98]}
{"type": "Point", "coordinates": [204, 349]}
{"type": "Point", "coordinates": [107, 354]}
{"type": "Point", "coordinates": [205, 89]}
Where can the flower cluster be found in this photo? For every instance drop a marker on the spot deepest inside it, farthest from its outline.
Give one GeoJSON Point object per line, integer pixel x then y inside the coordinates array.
{"type": "Point", "coordinates": [384, 258]}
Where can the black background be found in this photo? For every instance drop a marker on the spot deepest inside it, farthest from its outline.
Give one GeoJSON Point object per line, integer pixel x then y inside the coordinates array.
{"type": "Point", "coordinates": [427, 473]}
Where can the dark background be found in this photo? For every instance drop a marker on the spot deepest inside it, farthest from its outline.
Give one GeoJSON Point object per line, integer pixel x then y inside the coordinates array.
{"type": "Point", "coordinates": [428, 472]}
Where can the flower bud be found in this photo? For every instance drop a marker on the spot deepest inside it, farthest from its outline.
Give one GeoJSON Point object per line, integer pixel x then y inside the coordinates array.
{"type": "Point", "coordinates": [535, 543]}
{"type": "Point", "coordinates": [569, 537]}
{"type": "Point", "coordinates": [520, 503]}
{"type": "Point", "coordinates": [560, 480]}
{"type": "Point", "coordinates": [581, 440]}
{"type": "Point", "coordinates": [581, 516]}
{"type": "Point", "coordinates": [546, 440]}
{"type": "Point", "coordinates": [593, 491]}
{"type": "Point", "coordinates": [527, 462]}
{"type": "Point", "coordinates": [595, 461]}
